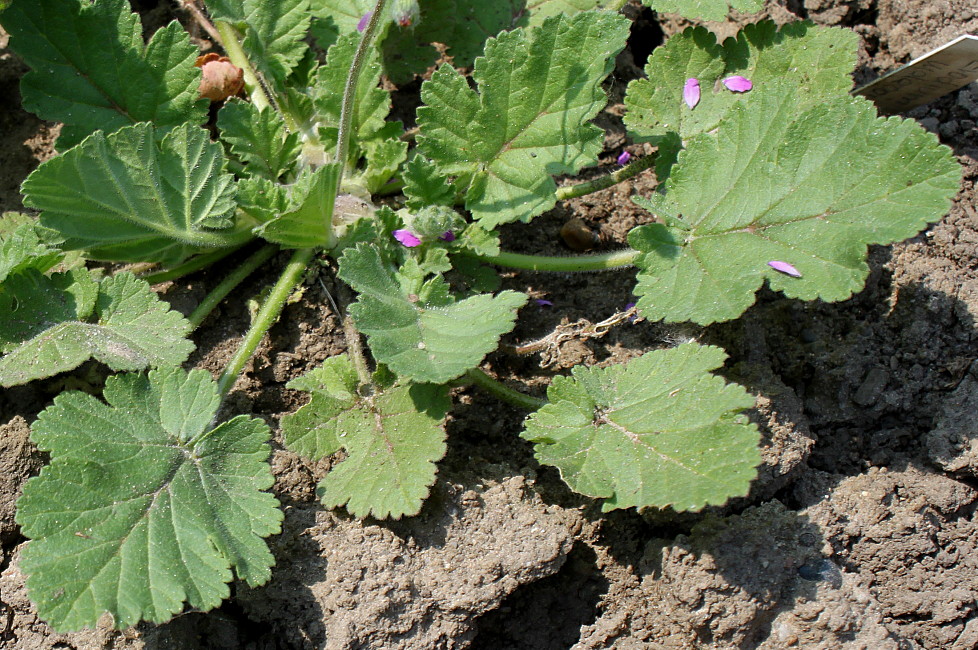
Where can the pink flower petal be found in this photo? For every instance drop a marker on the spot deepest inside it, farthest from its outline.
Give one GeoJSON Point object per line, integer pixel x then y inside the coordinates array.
{"type": "Point", "coordinates": [624, 157]}
{"type": "Point", "coordinates": [738, 84]}
{"type": "Point", "coordinates": [407, 238]}
{"type": "Point", "coordinates": [362, 25]}
{"type": "Point", "coordinates": [543, 303]}
{"type": "Point", "coordinates": [784, 267]}
{"type": "Point", "coordinates": [691, 92]}
{"type": "Point", "coordinates": [448, 235]}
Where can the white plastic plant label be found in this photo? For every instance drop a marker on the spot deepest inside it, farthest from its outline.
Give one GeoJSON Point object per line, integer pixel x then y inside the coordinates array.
{"type": "Point", "coordinates": [941, 71]}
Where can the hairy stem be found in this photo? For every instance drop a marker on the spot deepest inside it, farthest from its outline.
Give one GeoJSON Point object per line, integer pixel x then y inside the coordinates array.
{"type": "Point", "coordinates": [203, 21]}
{"type": "Point", "coordinates": [193, 264]}
{"type": "Point", "coordinates": [354, 344]}
{"type": "Point", "coordinates": [228, 284]}
{"type": "Point", "coordinates": [266, 317]}
{"type": "Point", "coordinates": [504, 392]}
{"type": "Point", "coordinates": [350, 91]}
{"type": "Point", "coordinates": [354, 347]}
{"type": "Point", "coordinates": [633, 168]}
{"type": "Point", "coordinates": [597, 262]}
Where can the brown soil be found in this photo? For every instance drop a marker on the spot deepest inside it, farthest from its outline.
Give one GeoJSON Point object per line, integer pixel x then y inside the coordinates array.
{"type": "Point", "coordinates": [859, 533]}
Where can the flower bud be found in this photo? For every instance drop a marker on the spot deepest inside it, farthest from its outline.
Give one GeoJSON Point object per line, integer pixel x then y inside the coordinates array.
{"type": "Point", "coordinates": [221, 78]}
{"type": "Point", "coordinates": [405, 13]}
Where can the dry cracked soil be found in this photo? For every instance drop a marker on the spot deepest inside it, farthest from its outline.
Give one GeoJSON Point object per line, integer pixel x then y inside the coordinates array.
{"type": "Point", "coordinates": [860, 531]}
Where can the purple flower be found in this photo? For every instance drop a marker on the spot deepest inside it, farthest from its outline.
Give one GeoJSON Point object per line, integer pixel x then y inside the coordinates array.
{"type": "Point", "coordinates": [784, 267]}
{"type": "Point", "coordinates": [691, 92]}
{"type": "Point", "coordinates": [738, 84]}
{"type": "Point", "coordinates": [624, 157]}
{"type": "Point", "coordinates": [362, 25]}
{"type": "Point", "coordinates": [407, 238]}
{"type": "Point", "coordinates": [448, 235]}
{"type": "Point", "coordinates": [543, 303]}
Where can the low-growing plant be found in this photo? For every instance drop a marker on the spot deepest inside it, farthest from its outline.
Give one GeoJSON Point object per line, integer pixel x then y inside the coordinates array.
{"type": "Point", "coordinates": [769, 172]}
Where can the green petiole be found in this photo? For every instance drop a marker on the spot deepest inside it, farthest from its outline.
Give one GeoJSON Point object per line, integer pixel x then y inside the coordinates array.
{"type": "Point", "coordinates": [633, 168]}
{"type": "Point", "coordinates": [293, 272]}
{"type": "Point", "coordinates": [228, 284]}
{"type": "Point", "coordinates": [266, 317]}
{"type": "Point", "coordinates": [560, 264]}
{"type": "Point", "coordinates": [504, 392]}
{"type": "Point", "coordinates": [190, 266]}
{"type": "Point", "coordinates": [229, 39]}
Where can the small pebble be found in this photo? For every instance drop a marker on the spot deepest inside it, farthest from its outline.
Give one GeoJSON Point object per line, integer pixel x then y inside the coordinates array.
{"type": "Point", "coordinates": [930, 123]}
{"type": "Point", "coordinates": [872, 387]}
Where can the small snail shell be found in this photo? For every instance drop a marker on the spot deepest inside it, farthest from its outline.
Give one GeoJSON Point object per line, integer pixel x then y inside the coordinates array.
{"type": "Point", "coordinates": [578, 236]}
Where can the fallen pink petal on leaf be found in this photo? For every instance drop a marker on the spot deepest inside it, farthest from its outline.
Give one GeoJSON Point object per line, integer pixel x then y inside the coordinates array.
{"type": "Point", "coordinates": [407, 238]}
{"type": "Point", "coordinates": [738, 84]}
{"type": "Point", "coordinates": [784, 267]}
{"type": "Point", "coordinates": [362, 25]}
{"type": "Point", "coordinates": [691, 92]}
{"type": "Point", "coordinates": [624, 157]}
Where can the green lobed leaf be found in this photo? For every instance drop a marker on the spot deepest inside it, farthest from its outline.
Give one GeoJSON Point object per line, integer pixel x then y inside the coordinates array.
{"type": "Point", "coordinates": [138, 195]}
{"type": "Point", "coordinates": [258, 138]}
{"type": "Point", "coordinates": [273, 32]}
{"type": "Point", "coordinates": [92, 71]}
{"type": "Point", "coordinates": [704, 9]}
{"type": "Point", "coordinates": [774, 183]}
{"type": "Point", "coordinates": [309, 222]}
{"type": "Point", "coordinates": [658, 431]}
{"type": "Point", "coordinates": [462, 26]}
{"type": "Point", "coordinates": [32, 301]}
{"type": "Point", "coordinates": [818, 60]}
{"type": "Point", "coordinates": [144, 507]}
{"type": "Point", "coordinates": [23, 249]}
{"type": "Point", "coordinates": [392, 438]}
{"type": "Point", "coordinates": [426, 340]}
{"type": "Point", "coordinates": [47, 241]}
{"type": "Point", "coordinates": [465, 25]}
{"type": "Point", "coordinates": [475, 22]}
{"type": "Point", "coordinates": [537, 90]}
{"type": "Point", "coordinates": [540, 10]}
{"type": "Point", "coordinates": [11, 221]}
{"type": "Point", "coordinates": [424, 185]}
{"type": "Point", "coordinates": [384, 154]}
{"type": "Point", "coordinates": [51, 325]}
{"type": "Point", "coordinates": [407, 49]}
{"type": "Point", "coordinates": [261, 199]}
{"type": "Point", "coordinates": [333, 18]}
